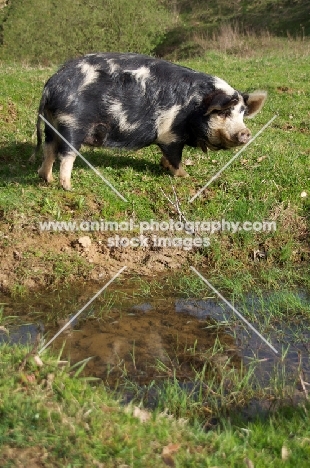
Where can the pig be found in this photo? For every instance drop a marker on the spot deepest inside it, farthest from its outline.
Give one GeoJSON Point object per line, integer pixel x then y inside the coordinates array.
{"type": "Point", "coordinates": [131, 101]}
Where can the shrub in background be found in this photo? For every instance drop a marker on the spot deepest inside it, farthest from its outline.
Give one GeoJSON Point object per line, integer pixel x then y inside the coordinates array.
{"type": "Point", "coordinates": [45, 31]}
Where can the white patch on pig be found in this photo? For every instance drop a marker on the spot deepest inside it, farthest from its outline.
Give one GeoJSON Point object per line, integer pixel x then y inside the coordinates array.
{"type": "Point", "coordinates": [70, 98]}
{"type": "Point", "coordinates": [164, 122]}
{"type": "Point", "coordinates": [221, 84]}
{"type": "Point", "coordinates": [46, 92]}
{"type": "Point", "coordinates": [141, 75]}
{"type": "Point", "coordinates": [113, 67]}
{"type": "Point", "coordinates": [120, 116]}
{"type": "Point", "coordinates": [90, 73]}
{"type": "Point", "coordinates": [67, 119]}
{"type": "Point", "coordinates": [235, 121]}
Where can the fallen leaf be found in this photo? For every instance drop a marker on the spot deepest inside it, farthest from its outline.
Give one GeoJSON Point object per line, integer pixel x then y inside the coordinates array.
{"type": "Point", "coordinates": [248, 463]}
{"type": "Point", "coordinates": [101, 465]}
{"type": "Point", "coordinates": [305, 441]}
{"type": "Point", "coordinates": [170, 448]}
{"type": "Point", "coordinates": [28, 378]}
{"type": "Point", "coordinates": [5, 330]}
{"type": "Point", "coordinates": [62, 363]}
{"type": "Point", "coordinates": [167, 452]}
{"type": "Point", "coordinates": [109, 409]}
{"type": "Point", "coordinates": [261, 158]}
{"type": "Point", "coordinates": [284, 89]}
{"type": "Point", "coordinates": [168, 460]}
{"type": "Point", "coordinates": [142, 415]}
{"type": "Point", "coordinates": [285, 453]}
{"type": "Point", "coordinates": [303, 194]}
{"type": "Point", "coordinates": [188, 162]}
{"type": "Point", "coordinates": [38, 361]}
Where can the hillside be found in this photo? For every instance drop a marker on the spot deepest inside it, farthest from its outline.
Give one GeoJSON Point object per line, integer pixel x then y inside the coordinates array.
{"type": "Point", "coordinates": [160, 27]}
{"type": "Point", "coordinates": [280, 17]}
{"type": "Point", "coordinates": [199, 21]}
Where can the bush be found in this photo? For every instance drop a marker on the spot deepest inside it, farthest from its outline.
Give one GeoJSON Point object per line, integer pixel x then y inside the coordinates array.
{"type": "Point", "coordinates": [45, 31]}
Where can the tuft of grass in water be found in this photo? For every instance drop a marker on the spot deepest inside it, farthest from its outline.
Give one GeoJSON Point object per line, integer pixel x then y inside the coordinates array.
{"type": "Point", "coordinates": [207, 383]}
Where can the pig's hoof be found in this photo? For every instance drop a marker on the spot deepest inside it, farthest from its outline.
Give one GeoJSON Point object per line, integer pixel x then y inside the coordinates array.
{"type": "Point", "coordinates": [47, 177]}
{"type": "Point", "coordinates": [175, 172]}
{"type": "Point", "coordinates": [181, 173]}
{"type": "Point", "coordinates": [178, 172]}
{"type": "Point", "coordinates": [66, 184]}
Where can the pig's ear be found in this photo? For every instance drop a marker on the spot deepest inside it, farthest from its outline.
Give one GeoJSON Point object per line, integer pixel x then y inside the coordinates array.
{"type": "Point", "coordinates": [219, 101]}
{"type": "Point", "coordinates": [254, 102]}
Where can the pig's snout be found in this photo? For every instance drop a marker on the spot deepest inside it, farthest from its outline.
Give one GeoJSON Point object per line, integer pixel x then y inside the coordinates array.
{"type": "Point", "coordinates": [244, 135]}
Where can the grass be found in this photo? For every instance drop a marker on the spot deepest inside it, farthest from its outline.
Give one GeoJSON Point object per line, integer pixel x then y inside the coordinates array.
{"type": "Point", "coordinates": [52, 416]}
{"type": "Point", "coordinates": [265, 183]}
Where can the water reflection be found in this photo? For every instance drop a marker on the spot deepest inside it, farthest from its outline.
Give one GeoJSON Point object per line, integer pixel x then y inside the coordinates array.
{"type": "Point", "coordinates": [148, 340]}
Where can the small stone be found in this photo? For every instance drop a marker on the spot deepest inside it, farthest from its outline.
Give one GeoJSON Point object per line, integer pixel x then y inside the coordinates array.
{"type": "Point", "coordinates": [85, 242]}
{"type": "Point", "coordinates": [17, 255]}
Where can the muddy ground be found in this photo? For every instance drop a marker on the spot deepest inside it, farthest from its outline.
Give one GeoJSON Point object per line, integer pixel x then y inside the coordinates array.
{"type": "Point", "coordinates": [34, 259]}
{"type": "Point", "coordinates": [31, 259]}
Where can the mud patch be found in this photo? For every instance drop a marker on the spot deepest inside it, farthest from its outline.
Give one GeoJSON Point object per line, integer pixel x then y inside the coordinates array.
{"type": "Point", "coordinates": [31, 259]}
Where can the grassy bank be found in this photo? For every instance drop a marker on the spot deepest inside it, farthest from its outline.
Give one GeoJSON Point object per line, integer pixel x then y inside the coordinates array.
{"type": "Point", "coordinates": [232, 26]}
{"type": "Point", "coordinates": [52, 417]}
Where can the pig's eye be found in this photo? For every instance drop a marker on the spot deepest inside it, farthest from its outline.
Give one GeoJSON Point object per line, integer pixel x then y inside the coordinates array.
{"type": "Point", "coordinates": [225, 113]}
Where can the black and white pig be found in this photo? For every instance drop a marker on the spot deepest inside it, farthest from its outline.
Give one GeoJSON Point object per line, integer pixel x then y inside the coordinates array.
{"type": "Point", "coordinates": [131, 101]}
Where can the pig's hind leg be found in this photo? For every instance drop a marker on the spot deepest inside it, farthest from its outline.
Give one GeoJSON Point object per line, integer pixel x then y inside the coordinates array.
{"type": "Point", "coordinates": [49, 155]}
{"type": "Point", "coordinates": [66, 154]}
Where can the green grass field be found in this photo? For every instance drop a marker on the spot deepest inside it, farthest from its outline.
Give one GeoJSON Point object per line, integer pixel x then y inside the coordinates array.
{"type": "Point", "coordinates": [269, 181]}
{"type": "Point", "coordinates": [53, 418]}
{"type": "Point", "coordinates": [50, 415]}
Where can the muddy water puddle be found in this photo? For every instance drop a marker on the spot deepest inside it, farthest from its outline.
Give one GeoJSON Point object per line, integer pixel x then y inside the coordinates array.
{"type": "Point", "coordinates": [143, 346]}
{"type": "Point", "coordinates": [150, 340]}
